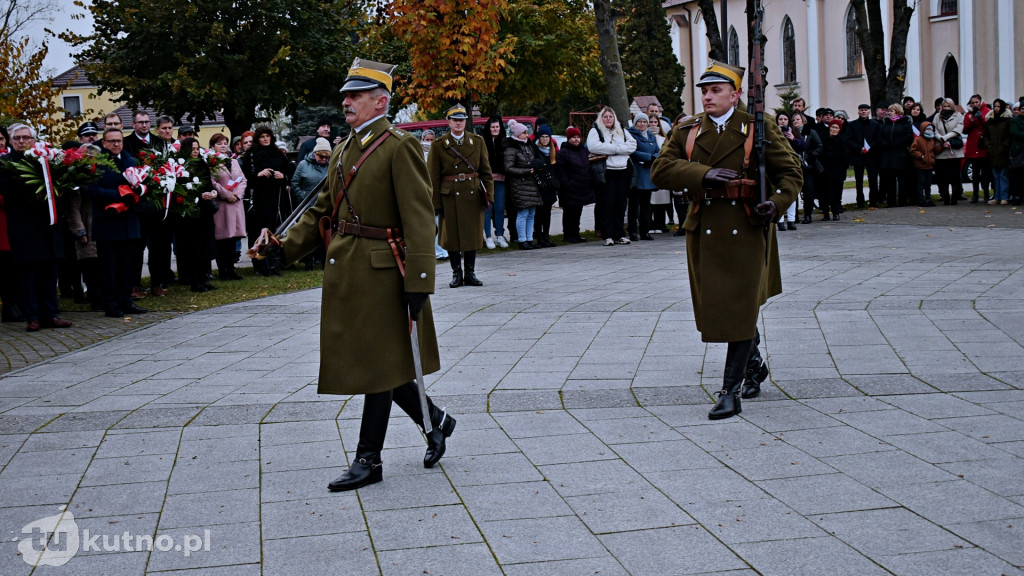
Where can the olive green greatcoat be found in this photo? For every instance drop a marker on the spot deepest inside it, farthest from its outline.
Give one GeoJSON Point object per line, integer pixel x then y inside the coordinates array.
{"type": "Point", "coordinates": [725, 243]}
{"type": "Point", "coordinates": [364, 328]}
{"type": "Point", "coordinates": [462, 202]}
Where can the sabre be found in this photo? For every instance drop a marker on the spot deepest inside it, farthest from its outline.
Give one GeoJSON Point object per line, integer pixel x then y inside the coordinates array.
{"type": "Point", "coordinates": [308, 201]}
{"type": "Point", "coordinates": [414, 335]}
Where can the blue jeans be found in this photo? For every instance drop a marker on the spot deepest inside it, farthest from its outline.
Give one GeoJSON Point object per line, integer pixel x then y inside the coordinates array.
{"type": "Point", "coordinates": [438, 251]}
{"type": "Point", "coordinates": [524, 223]}
{"type": "Point", "coordinates": [1001, 183]}
{"type": "Point", "coordinates": [499, 212]}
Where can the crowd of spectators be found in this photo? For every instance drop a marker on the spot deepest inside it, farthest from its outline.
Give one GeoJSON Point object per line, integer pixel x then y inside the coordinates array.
{"type": "Point", "coordinates": [903, 151]}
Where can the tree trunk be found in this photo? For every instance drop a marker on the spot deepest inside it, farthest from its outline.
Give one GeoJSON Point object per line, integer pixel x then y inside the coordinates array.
{"type": "Point", "coordinates": [883, 85]}
{"type": "Point", "coordinates": [240, 118]}
{"type": "Point", "coordinates": [718, 51]}
{"type": "Point", "coordinates": [605, 18]}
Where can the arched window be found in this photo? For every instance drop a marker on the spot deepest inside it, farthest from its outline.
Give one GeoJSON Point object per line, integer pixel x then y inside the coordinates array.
{"type": "Point", "coordinates": [951, 78]}
{"type": "Point", "coordinates": [788, 51]}
{"type": "Point", "coordinates": [854, 62]}
{"type": "Point", "coordinates": [734, 47]}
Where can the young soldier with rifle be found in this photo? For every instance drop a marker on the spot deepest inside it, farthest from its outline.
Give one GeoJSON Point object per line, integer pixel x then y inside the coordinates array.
{"type": "Point", "coordinates": [734, 196]}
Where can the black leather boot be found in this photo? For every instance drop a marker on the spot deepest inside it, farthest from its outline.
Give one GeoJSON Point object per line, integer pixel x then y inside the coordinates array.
{"type": "Point", "coordinates": [442, 426]}
{"type": "Point", "coordinates": [365, 470]}
{"type": "Point", "coordinates": [757, 371]}
{"type": "Point", "coordinates": [470, 278]}
{"type": "Point", "coordinates": [455, 259]}
{"type": "Point", "coordinates": [728, 404]}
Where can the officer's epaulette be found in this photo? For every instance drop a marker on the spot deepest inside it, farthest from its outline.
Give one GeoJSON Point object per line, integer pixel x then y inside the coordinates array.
{"type": "Point", "coordinates": [689, 122]}
{"type": "Point", "coordinates": [397, 131]}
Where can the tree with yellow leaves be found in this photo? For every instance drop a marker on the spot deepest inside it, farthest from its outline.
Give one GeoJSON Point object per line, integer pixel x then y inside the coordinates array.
{"type": "Point", "coordinates": [455, 50]}
{"type": "Point", "coordinates": [26, 94]}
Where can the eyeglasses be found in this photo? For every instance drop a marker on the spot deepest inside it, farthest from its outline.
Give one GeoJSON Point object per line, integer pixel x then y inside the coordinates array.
{"type": "Point", "coordinates": [141, 122]}
{"type": "Point", "coordinates": [21, 138]}
{"type": "Point", "coordinates": [114, 141]}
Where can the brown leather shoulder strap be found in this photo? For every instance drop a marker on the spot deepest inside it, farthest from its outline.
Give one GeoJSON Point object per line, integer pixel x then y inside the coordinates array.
{"type": "Point", "coordinates": [352, 172]}
{"type": "Point", "coordinates": [691, 139]}
{"type": "Point", "coordinates": [748, 146]}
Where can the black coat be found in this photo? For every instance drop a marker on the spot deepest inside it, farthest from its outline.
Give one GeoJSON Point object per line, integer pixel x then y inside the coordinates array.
{"type": "Point", "coordinates": [859, 131]}
{"type": "Point", "coordinates": [32, 237]}
{"type": "Point", "coordinates": [270, 203]}
{"type": "Point", "coordinates": [572, 167]}
{"type": "Point", "coordinates": [108, 225]}
{"type": "Point", "coordinates": [894, 143]}
{"type": "Point", "coordinates": [834, 158]}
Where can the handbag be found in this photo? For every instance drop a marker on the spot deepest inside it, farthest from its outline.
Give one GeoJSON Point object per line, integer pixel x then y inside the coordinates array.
{"type": "Point", "coordinates": [956, 142]}
{"type": "Point", "coordinates": [598, 165]}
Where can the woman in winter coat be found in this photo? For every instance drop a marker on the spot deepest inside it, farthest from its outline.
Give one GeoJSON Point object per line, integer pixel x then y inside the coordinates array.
{"type": "Point", "coordinates": [638, 216]}
{"type": "Point", "coordinates": [310, 171]}
{"type": "Point", "coordinates": [809, 162]}
{"type": "Point", "coordinates": [796, 141]}
{"type": "Point", "coordinates": [572, 167]}
{"type": "Point", "coordinates": [949, 128]}
{"type": "Point", "coordinates": [607, 138]}
{"type": "Point", "coordinates": [975, 155]}
{"type": "Point", "coordinates": [267, 172]}
{"type": "Point", "coordinates": [661, 200]}
{"type": "Point", "coordinates": [923, 151]}
{"type": "Point", "coordinates": [894, 148]}
{"type": "Point", "coordinates": [195, 235]}
{"type": "Point", "coordinates": [1017, 158]}
{"type": "Point", "coordinates": [997, 131]}
{"type": "Point", "coordinates": [835, 161]}
{"type": "Point", "coordinates": [494, 217]}
{"type": "Point", "coordinates": [548, 186]}
{"type": "Point", "coordinates": [522, 161]}
{"type": "Point", "coordinates": [229, 220]}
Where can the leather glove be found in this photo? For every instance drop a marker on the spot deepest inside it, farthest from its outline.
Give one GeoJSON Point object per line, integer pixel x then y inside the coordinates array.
{"type": "Point", "coordinates": [717, 177]}
{"type": "Point", "coordinates": [415, 301]}
{"type": "Point", "coordinates": [767, 210]}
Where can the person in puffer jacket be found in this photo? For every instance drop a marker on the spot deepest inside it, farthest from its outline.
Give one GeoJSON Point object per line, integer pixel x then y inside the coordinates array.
{"type": "Point", "coordinates": [522, 160]}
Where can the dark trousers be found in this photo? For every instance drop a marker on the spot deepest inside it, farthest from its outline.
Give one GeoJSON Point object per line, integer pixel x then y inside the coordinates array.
{"type": "Point", "coordinates": [116, 266]}
{"type": "Point", "coordinates": [638, 215]}
{"type": "Point", "coordinates": [981, 175]}
{"type": "Point", "coordinates": [811, 178]}
{"type": "Point", "coordinates": [195, 243]}
{"type": "Point", "coordinates": [571, 221]}
{"type": "Point", "coordinates": [908, 185]}
{"type": "Point", "coordinates": [947, 177]}
{"type": "Point", "coordinates": [871, 167]}
{"type": "Point", "coordinates": [1016, 186]}
{"type": "Point", "coordinates": [37, 289]}
{"type": "Point", "coordinates": [924, 186]}
{"type": "Point", "coordinates": [888, 182]}
{"type": "Point", "coordinates": [611, 200]}
{"type": "Point", "coordinates": [376, 411]}
{"type": "Point", "coordinates": [157, 235]}
{"type": "Point", "coordinates": [92, 273]}
{"type": "Point", "coordinates": [226, 257]}
{"type": "Point", "coordinates": [9, 284]}
{"type": "Point", "coordinates": [69, 275]}
{"type": "Point", "coordinates": [682, 208]}
{"type": "Point", "coordinates": [541, 222]}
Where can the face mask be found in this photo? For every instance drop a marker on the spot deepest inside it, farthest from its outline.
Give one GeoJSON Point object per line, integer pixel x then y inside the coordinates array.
{"type": "Point", "coordinates": [946, 114]}
{"type": "Point", "coordinates": [929, 133]}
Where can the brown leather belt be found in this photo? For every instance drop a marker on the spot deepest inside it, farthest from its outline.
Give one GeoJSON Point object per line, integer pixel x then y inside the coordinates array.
{"type": "Point", "coordinates": [734, 190]}
{"type": "Point", "coordinates": [461, 177]}
{"type": "Point", "coordinates": [353, 229]}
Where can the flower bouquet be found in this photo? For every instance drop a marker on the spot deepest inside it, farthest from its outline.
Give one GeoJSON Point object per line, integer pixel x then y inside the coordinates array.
{"type": "Point", "coordinates": [215, 160]}
{"type": "Point", "coordinates": [54, 171]}
{"type": "Point", "coordinates": [174, 190]}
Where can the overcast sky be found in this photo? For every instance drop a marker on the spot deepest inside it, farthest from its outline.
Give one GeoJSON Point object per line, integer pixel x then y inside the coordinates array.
{"type": "Point", "coordinates": [60, 58]}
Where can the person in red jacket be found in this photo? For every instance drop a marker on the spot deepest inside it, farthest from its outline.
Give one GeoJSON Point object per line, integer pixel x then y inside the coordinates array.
{"type": "Point", "coordinates": [977, 157]}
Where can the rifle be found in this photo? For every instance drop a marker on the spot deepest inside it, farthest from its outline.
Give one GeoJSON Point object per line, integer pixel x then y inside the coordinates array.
{"type": "Point", "coordinates": [755, 104]}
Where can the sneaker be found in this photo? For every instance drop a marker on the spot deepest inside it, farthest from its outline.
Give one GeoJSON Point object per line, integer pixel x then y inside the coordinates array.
{"type": "Point", "coordinates": [990, 202]}
{"type": "Point", "coordinates": [489, 242]}
{"type": "Point", "coordinates": [609, 242]}
{"type": "Point", "coordinates": [1003, 202]}
{"type": "Point", "coordinates": [500, 241]}
{"type": "Point", "coordinates": [623, 240]}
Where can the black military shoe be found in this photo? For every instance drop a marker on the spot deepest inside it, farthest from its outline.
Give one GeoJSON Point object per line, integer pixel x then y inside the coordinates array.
{"type": "Point", "coordinates": [752, 383]}
{"type": "Point", "coordinates": [728, 405]}
{"type": "Point", "coordinates": [457, 279]}
{"type": "Point", "coordinates": [362, 472]}
{"type": "Point", "coordinates": [471, 279]}
{"type": "Point", "coordinates": [440, 430]}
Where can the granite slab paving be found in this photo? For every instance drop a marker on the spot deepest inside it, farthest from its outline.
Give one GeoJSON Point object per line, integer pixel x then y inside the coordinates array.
{"type": "Point", "coordinates": [890, 439]}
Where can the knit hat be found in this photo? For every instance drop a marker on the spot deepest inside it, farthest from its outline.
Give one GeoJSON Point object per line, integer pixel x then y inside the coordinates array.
{"type": "Point", "coordinates": [516, 129]}
{"type": "Point", "coordinates": [322, 145]}
{"type": "Point", "coordinates": [640, 116]}
{"type": "Point", "coordinates": [544, 130]}
{"type": "Point", "coordinates": [572, 132]}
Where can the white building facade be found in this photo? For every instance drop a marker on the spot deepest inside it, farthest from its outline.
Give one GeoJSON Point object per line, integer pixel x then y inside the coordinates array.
{"type": "Point", "coordinates": [955, 48]}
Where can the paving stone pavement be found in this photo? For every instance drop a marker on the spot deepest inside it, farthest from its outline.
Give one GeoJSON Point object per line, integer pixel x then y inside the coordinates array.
{"type": "Point", "coordinates": [890, 440]}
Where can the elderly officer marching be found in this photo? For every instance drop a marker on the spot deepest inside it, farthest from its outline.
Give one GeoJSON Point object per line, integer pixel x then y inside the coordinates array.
{"type": "Point", "coordinates": [463, 188]}
{"type": "Point", "coordinates": [376, 198]}
{"type": "Point", "coordinates": [708, 158]}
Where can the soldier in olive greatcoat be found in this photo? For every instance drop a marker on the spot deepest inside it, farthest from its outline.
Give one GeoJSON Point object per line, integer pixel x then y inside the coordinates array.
{"type": "Point", "coordinates": [460, 172]}
{"type": "Point", "coordinates": [367, 299]}
{"type": "Point", "coordinates": [732, 270]}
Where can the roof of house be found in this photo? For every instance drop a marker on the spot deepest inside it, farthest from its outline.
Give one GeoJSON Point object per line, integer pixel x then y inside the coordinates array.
{"type": "Point", "coordinates": [644, 101]}
{"type": "Point", "coordinates": [75, 77]}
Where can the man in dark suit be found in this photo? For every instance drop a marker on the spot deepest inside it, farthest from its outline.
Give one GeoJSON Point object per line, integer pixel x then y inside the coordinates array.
{"type": "Point", "coordinates": [861, 138]}
{"type": "Point", "coordinates": [140, 138]}
{"type": "Point", "coordinates": [733, 267]}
